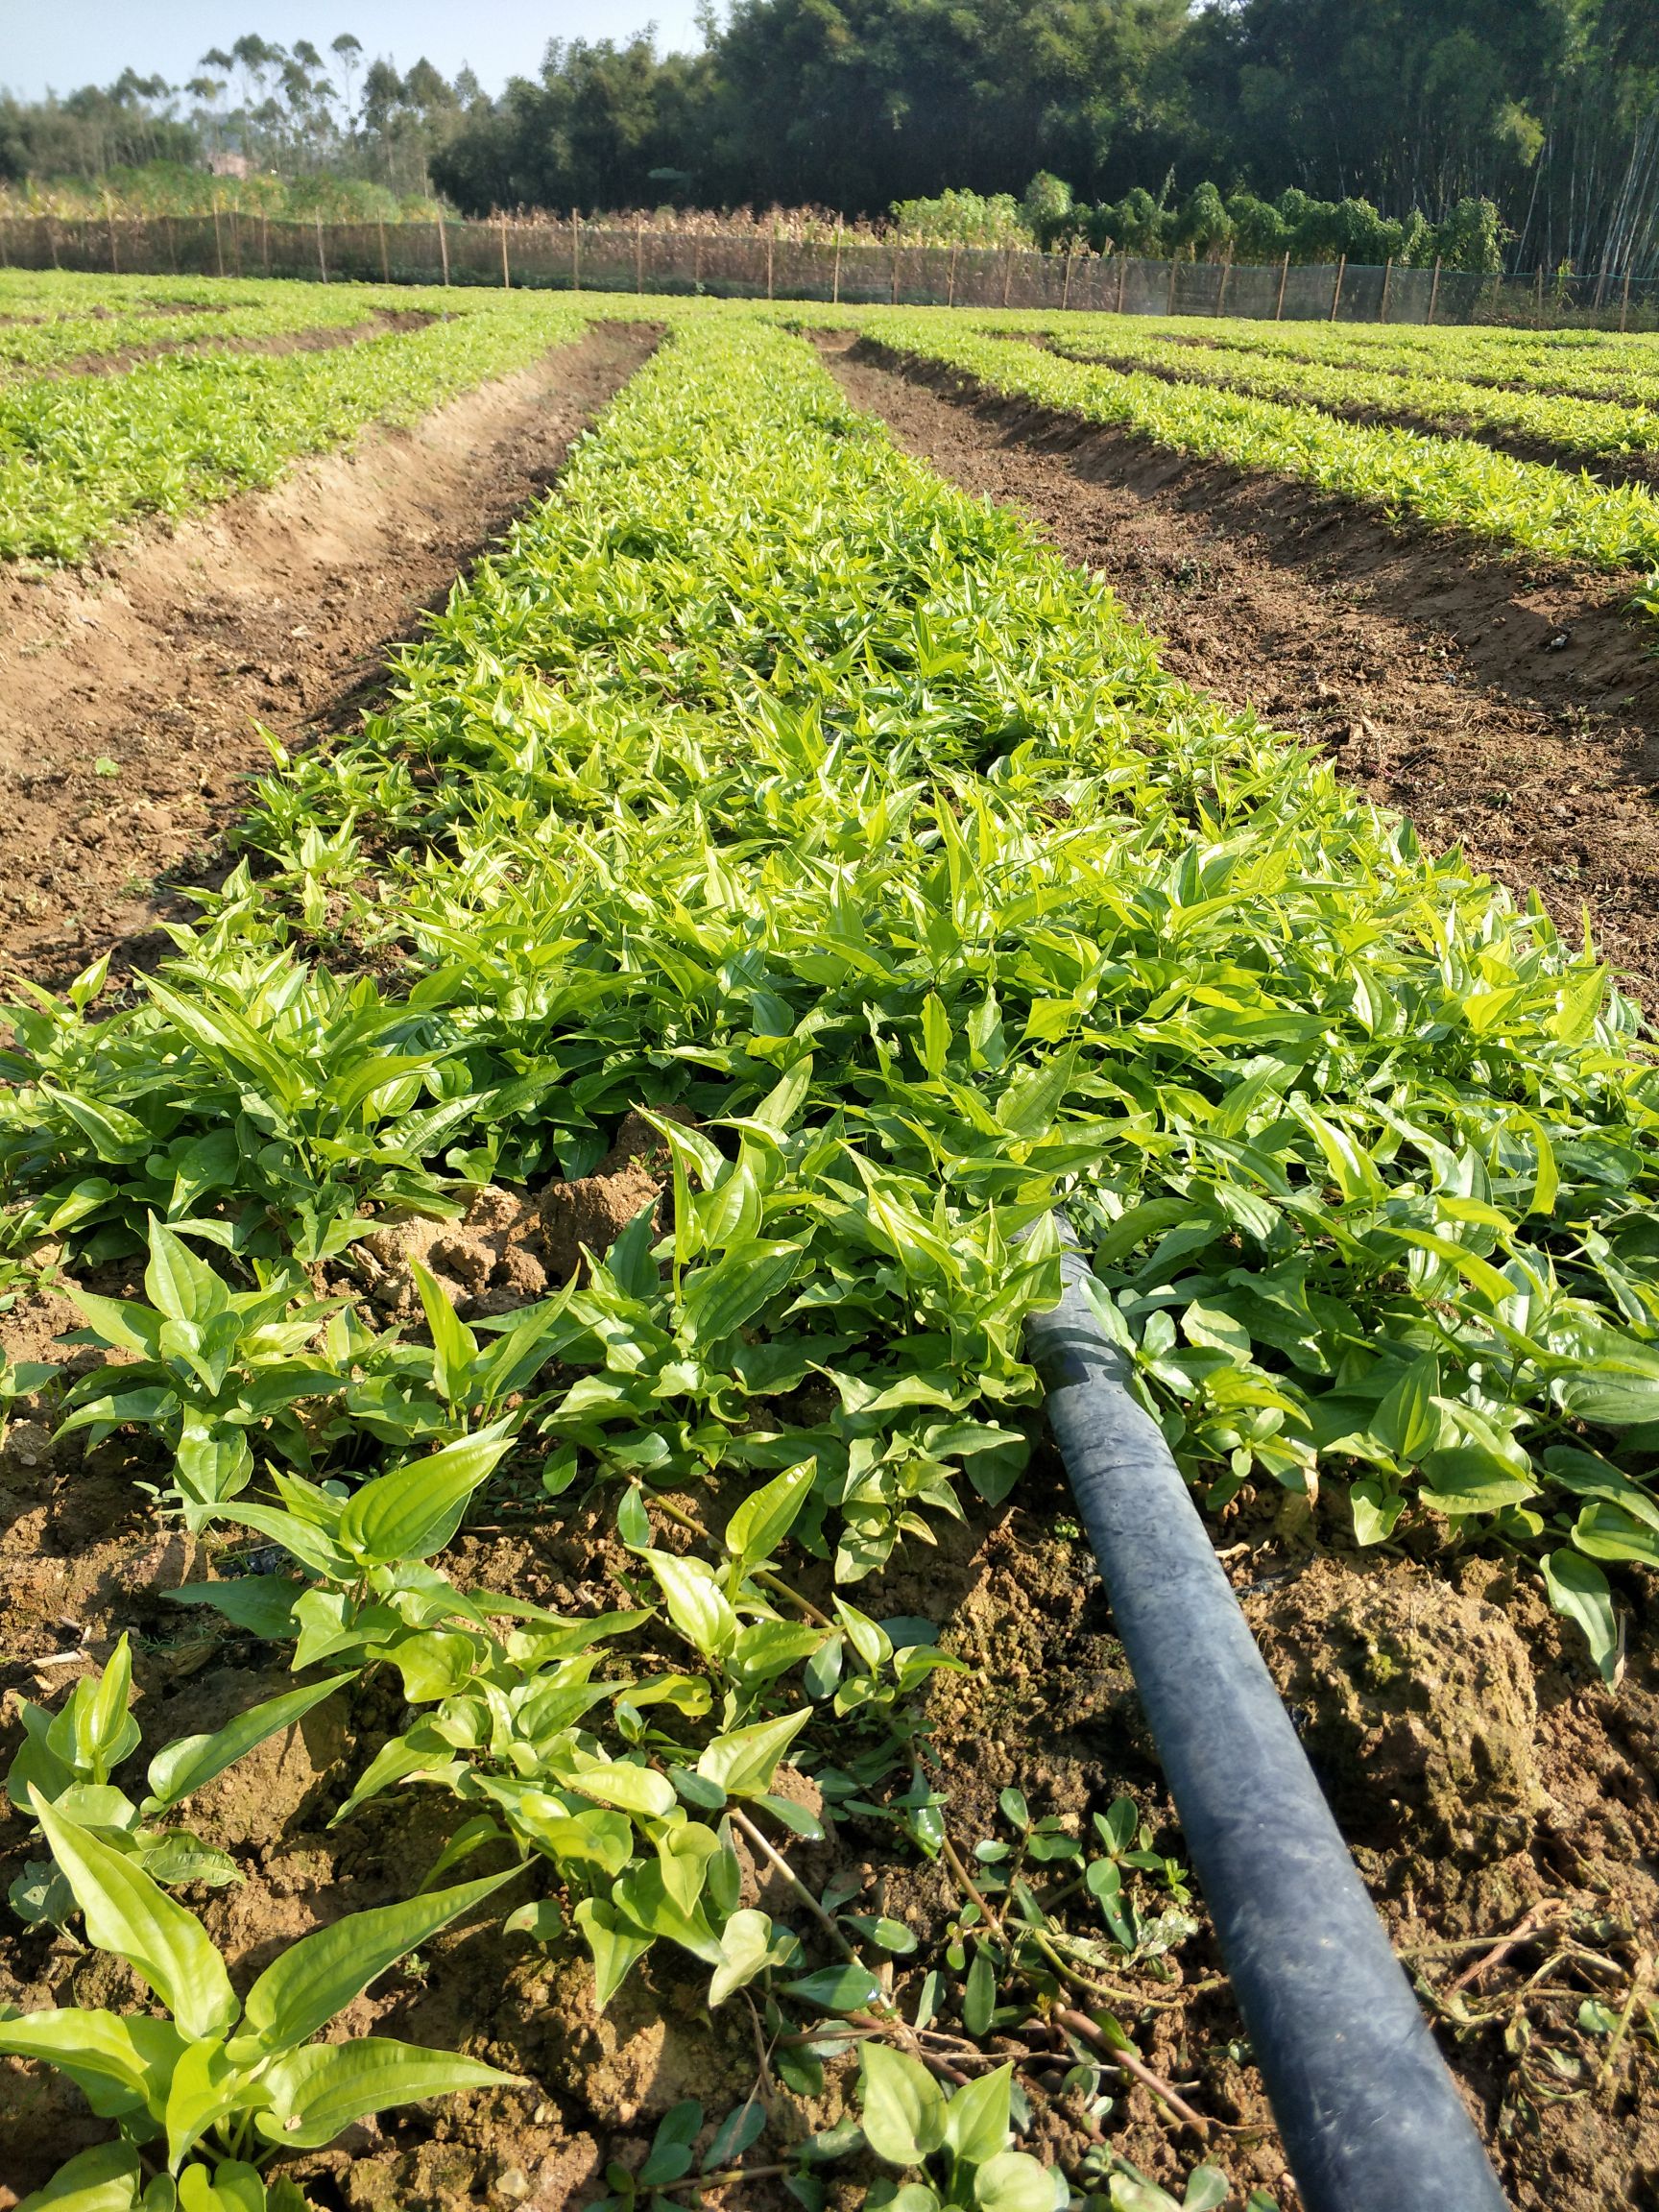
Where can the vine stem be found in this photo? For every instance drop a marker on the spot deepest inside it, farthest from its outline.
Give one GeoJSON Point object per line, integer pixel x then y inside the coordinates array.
{"type": "Point", "coordinates": [826, 1921]}
{"type": "Point", "coordinates": [1128, 2061]}
{"type": "Point", "coordinates": [993, 1920]}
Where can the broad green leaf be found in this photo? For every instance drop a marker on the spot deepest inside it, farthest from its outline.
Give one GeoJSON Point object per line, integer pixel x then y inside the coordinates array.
{"type": "Point", "coordinates": [1014, 2181]}
{"type": "Point", "coordinates": [180, 1285]}
{"type": "Point", "coordinates": [121, 2065]}
{"type": "Point", "coordinates": [203, 2088]}
{"type": "Point", "coordinates": [1027, 1108]}
{"type": "Point", "coordinates": [1606, 1531]}
{"type": "Point", "coordinates": [320, 1975]}
{"type": "Point", "coordinates": [1376, 1510]}
{"type": "Point", "coordinates": [637, 1790]}
{"type": "Point", "coordinates": [767, 1516]}
{"type": "Point", "coordinates": [104, 2179]}
{"type": "Point", "coordinates": [746, 1945]}
{"type": "Point", "coordinates": [901, 2106]}
{"type": "Point", "coordinates": [454, 1347]}
{"type": "Point", "coordinates": [414, 1512]}
{"type": "Point", "coordinates": [128, 1914]}
{"type": "Point", "coordinates": [744, 1760]}
{"type": "Point", "coordinates": [935, 1034]}
{"type": "Point", "coordinates": [697, 1605]}
{"type": "Point", "coordinates": [837, 1988]}
{"type": "Point", "coordinates": [318, 2091]}
{"type": "Point", "coordinates": [192, 1762]}
{"type": "Point", "coordinates": [312, 1546]}
{"type": "Point", "coordinates": [785, 1099]}
{"type": "Point", "coordinates": [715, 1302]}
{"type": "Point", "coordinates": [1578, 1591]}
{"type": "Point", "coordinates": [261, 1603]}
{"type": "Point", "coordinates": [1408, 1422]}
{"type": "Point", "coordinates": [235, 2187]}
{"type": "Point", "coordinates": [976, 2118]}
{"type": "Point", "coordinates": [616, 1945]}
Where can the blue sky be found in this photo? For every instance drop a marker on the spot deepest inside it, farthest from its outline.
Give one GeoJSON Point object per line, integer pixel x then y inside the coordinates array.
{"type": "Point", "coordinates": [81, 41]}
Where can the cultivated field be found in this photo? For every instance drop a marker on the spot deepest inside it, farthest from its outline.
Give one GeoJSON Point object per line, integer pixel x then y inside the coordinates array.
{"type": "Point", "coordinates": [583, 877]}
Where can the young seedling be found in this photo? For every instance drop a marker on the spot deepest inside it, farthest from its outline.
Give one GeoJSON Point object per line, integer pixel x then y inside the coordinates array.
{"type": "Point", "coordinates": [205, 2098]}
{"type": "Point", "coordinates": [69, 1756]}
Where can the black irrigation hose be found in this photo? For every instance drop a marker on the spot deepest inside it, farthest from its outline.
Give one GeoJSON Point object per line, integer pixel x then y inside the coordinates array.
{"type": "Point", "coordinates": [1368, 2114]}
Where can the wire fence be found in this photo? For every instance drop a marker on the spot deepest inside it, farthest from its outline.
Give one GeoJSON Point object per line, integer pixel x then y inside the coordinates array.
{"type": "Point", "coordinates": [556, 255]}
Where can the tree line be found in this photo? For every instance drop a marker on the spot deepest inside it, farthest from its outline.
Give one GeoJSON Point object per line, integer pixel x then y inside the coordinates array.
{"type": "Point", "coordinates": [1256, 126]}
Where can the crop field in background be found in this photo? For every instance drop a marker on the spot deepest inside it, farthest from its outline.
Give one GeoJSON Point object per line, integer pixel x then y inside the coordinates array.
{"type": "Point", "coordinates": [82, 457]}
{"type": "Point", "coordinates": [550, 1662]}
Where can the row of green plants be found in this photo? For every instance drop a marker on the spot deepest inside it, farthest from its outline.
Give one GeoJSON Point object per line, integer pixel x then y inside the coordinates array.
{"type": "Point", "coordinates": [97, 319]}
{"type": "Point", "coordinates": [1434, 397]}
{"type": "Point", "coordinates": [767, 786]}
{"type": "Point", "coordinates": [1568, 365]}
{"type": "Point", "coordinates": [1447, 482]}
{"type": "Point", "coordinates": [82, 458]}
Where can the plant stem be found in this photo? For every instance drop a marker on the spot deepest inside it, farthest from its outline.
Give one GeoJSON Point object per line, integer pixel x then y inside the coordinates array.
{"type": "Point", "coordinates": [1129, 2061]}
{"type": "Point", "coordinates": [743, 1821]}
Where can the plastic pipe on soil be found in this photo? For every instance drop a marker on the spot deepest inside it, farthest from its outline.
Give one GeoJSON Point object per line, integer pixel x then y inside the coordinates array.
{"type": "Point", "coordinates": [1368, 2114]}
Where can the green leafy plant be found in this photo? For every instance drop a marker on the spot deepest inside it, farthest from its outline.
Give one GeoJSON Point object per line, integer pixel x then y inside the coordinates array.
{"type": "Point", "coordinates": [204, 2098]}
{"type": "Point", "coordinates": [68, 1757]}
{"type": "Point", "coordinates": [961, 2139]}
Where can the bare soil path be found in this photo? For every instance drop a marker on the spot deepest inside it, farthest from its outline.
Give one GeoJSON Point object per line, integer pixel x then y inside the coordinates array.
{"type": "Point", "coordinates": [1514, 714]}
{"type": "Point", "coordinates": [132, 699]}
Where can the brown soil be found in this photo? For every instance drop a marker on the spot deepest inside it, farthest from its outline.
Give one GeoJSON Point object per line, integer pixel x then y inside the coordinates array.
{"type": "Point", "coordinates": [510, 1249]}
{"type": "Point", "coordinates": [375, 326]}
{"type": "Point", "coordinates": [1515, 713]}
{"type": "Point", "coordinates": [131, 701]}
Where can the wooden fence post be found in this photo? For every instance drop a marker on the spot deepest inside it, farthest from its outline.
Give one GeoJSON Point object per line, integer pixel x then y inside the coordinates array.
{"type": "Point", "coordinates": [444, 249]}
{"type": "Point", "coordinates": [835, 271]}
{"type": "Point", "coordinates": [385, 263]}
{"type": "Point", "coordinates": [265, 242]}
{"type": "Point", "coordinates": [506, 272]}
{"type": "Point", "coordinates": [218, 242]}
{"type": "Point", "coordinates": [1122, 277]}
{"type": "Point", "coordinates": [1434, 289]}
{"type": "Point", "coordinates": [1337, 288]}
{"type": "Point", "coordinates": [1284, 279]}
{"type": "Point", "coordinates": [951, 292]}
{"type": "Point", "coordinates": [1065, 287]}
{"type": "Point", "coordinates": [1169, 303]}
{"type": "Point", "coordinates": [1388, 279]}
{"type": "Point", "coordinates": [893, 279]}
{"type": "Point", "coordinates": [1538, 292]}
{"type": "Point", "coordinates": [1221, 288]}
{"type": "Point", "coordinates": [1625, 305]}
{"type": "Point", "coordinates": [769, 245]}
{"type": "Point", "coordinates": [114, 258]}
{"type": "Point", "coordinates": [575, 249]}
{"type": "Point", "coordinates": [236, 239]}
{"type": "Point", "coordinates": [322, 264]}
{"type": "Point", "coordinates": [1007, 271]}
{"type": "Point", "coordinates": [638, 254]}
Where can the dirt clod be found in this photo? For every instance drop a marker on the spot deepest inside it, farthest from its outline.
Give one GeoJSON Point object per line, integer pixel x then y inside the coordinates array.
{"type": "Point", "coordinates": [1417, 1708]}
